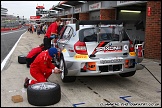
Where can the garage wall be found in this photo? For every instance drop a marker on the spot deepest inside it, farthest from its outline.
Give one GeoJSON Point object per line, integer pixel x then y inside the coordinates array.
{"type": "Point", "coordinates": [83, 16]}
{"type": "Point", "coordinates": [153, 31]}
{"type": "Point", "coordinates": [107, 14]}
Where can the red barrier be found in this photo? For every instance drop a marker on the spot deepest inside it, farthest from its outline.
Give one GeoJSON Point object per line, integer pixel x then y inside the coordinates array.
{"type": "Point", "coordinates": [8, 29]}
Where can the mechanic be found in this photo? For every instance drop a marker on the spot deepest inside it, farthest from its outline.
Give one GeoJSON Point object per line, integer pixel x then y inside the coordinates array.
{"type": "Point", "coordinates": [33, 54]}
{"type": "Point", "coordinates": [51, 33]}
{"type": "Point", "coordinates": [42, 67]}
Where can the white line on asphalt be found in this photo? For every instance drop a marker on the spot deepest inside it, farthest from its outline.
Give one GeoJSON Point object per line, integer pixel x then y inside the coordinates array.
{"type": "Point", "coordinates": [12, 32]}
{"type": "Point", "coordinates": [7, 57]}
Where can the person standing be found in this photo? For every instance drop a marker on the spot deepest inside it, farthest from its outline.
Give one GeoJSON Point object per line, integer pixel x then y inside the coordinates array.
{"type": "Point", "coordinates": [38, 30]}
{"type": "Point", "coordinates": [35, 28]}
{"type": "Point", "coordinates": [30, 28]}
{"type": "Point", "coordinates": [44, 29]}
{"type": "Point", "coordinates": [42, 67]}
{"type": "Point", "coordinates": [51, 33]}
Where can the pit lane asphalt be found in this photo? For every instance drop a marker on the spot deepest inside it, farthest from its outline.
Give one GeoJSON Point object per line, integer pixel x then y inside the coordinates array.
{"type": "Point", "coordinates": [86, 91]}
{"type": "Point", "coordinates": [8, 40]}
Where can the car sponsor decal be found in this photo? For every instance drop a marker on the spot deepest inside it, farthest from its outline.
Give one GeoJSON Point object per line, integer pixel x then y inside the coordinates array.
{"type": "Point", "coordinates": [101, 44]}
{"type": "Point", "coordinates": [91, 66]}
{"type": "Point", "coordinates": [132, 53]}
{"type": "Point", "coordinates": [111, 60]}
{"type": "Point", "coordinates": [109, 49]}
{"type": "Point", "coordinates": [125, 47]}
{"type": "Point", "coordinates": [79, 56]}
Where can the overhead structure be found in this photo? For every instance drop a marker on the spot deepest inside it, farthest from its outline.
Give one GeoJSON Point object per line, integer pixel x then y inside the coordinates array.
{"type": "Point", "coordinates": [40, 7]}
{"type": "Point", "coordinates": [66, 4]}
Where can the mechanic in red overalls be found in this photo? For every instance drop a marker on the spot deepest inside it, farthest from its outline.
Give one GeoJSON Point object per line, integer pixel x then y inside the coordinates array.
{"type": "Point", "coordinates": [33, 54]}
{"type": "Point", "coordinates": [42, 67]}
{"type": "Point", "coordinates": [51, 33]}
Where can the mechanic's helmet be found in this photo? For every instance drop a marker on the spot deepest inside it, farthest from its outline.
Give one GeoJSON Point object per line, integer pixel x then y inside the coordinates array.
{"type": "Point", "coordinates": [52, 51]}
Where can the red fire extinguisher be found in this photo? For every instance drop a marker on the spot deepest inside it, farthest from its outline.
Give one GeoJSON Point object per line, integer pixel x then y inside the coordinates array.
{"type": "Point", "coordinates": [140, 51]}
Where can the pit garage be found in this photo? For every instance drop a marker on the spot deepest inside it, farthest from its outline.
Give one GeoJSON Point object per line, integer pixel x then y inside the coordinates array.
{"type": "Point", "coordinates": [136, 14]}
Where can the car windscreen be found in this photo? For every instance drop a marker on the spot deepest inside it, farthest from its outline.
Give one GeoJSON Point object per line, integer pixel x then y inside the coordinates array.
{"type": "Point", "coordinates": [106, 34]}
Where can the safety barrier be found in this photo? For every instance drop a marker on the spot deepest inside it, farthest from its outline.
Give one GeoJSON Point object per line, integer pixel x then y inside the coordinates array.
{"type": "Point", "coordinates": [10, 28]}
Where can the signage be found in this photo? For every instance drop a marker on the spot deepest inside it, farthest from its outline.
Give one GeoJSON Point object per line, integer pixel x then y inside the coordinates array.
{"type": "Point", "coordinates": [77, 10]}
{"type": "Point", "coordinates": [95, 6]}
{"type": "Point", "coordinates": [34, 17]}
{"type": "Point", "coordinates": [44, 12]}
{"type": "Point", "coordinates": [66, 12]}
{"type": "Point", "coordinates": [120, 3]}
{"type": "Point", "coordinates": [40, 7]}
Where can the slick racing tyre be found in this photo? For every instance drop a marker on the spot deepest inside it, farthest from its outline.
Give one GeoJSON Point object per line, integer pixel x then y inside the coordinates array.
{"type": "Point", "coordinates": [43, 94]}
{"type": "Point", "coordinates": [22, 59]}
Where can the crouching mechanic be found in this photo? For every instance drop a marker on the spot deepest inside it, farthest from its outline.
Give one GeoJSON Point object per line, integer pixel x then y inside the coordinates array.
{"type": "Point", "coordinates": [42, 67]}
{"type": "Point", "coordinates": [33, 54]}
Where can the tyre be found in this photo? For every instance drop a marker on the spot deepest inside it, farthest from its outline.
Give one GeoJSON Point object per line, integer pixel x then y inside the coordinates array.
{"type": "Point", "coordinates": [22, 59]}
{"type": "Point", "coordinates": [128, 74]}
{"type": "Point", "coordinates": [64, 76]}
{"type": "Point", "coordinates": [43, 94]}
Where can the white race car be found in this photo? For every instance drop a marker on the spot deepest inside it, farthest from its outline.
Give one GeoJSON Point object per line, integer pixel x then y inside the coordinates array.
{"type": "Point", "coordinates": [97, 47]}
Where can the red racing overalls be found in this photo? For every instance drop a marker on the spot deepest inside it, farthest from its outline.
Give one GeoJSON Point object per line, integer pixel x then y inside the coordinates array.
{"type": "Point", "coordinates": [33, 52]}
{"type": "Point", "coordinates": [41, 68]}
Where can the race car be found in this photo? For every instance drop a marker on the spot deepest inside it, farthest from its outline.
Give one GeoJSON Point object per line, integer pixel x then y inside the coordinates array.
{"type": "Point", "coordinates": [96, 47]}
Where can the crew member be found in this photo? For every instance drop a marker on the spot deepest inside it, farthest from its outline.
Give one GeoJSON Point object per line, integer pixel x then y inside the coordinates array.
{"type": "Point", "coordinates": [33, 54]}
{"type": "Point", "coordinates": [51, 33]}
{"type": "Point", "coordinates": [42, 67]}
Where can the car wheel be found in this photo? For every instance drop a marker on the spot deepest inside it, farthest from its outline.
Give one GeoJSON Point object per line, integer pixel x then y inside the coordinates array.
{"type": "Point", "coordinates": [128, 74]}
{"type": "Point", "coordinates": [65, 78]}
{"type": "Point", "coordinates": [22, 59]}
{"type": "Point", "coordinates": [56, 62]}
{"type": "Point", "coordinates": [43, 94]}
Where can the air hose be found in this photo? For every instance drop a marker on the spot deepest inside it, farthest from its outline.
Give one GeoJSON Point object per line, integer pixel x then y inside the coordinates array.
{"type": "Point", "coordinates": [149, 71]}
